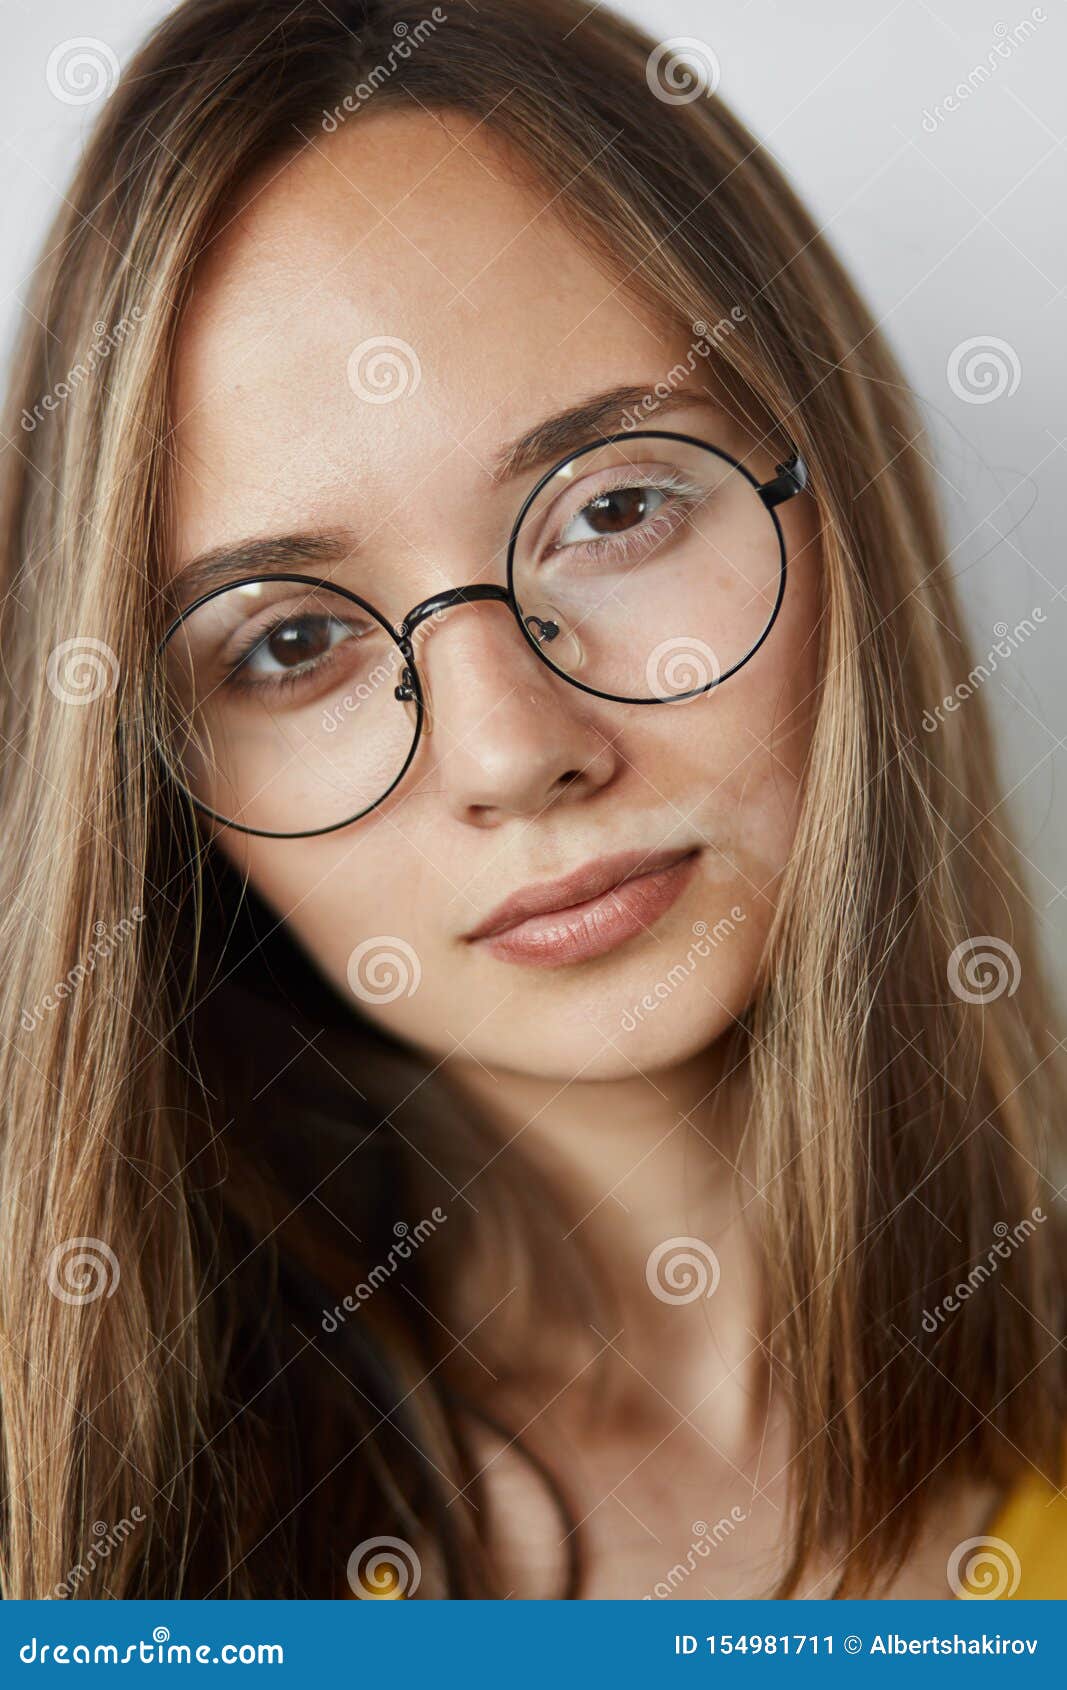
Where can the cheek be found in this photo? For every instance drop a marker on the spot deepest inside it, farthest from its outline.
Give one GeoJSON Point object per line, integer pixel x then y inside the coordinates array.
{"type": "Point", "coordinates": [369, 907]}
{"type": "Point", "coordinates": [736, 777]}
{"type": "Point", "coordinates": [732, 765]}
{"type": "Point", "coordinates": [733, 761]}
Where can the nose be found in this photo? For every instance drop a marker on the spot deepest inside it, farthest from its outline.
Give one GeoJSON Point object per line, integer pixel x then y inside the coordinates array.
{"type": "Point", "coordinates": [508, 737]}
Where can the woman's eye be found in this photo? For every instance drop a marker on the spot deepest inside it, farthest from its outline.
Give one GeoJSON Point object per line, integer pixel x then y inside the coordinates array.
{"type": "Point", "coordinates": [614, 512]}
{"type": "Point", "coordinates": [292, 644]}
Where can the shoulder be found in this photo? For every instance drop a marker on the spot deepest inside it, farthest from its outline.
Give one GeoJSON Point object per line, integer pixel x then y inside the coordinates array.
{"type": "Point", "coordinates": [1024, 1554]}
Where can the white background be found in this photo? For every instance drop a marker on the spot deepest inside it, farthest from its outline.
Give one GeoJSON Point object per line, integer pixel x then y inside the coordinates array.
{"type": "Point", "coordinates": [955, 230]}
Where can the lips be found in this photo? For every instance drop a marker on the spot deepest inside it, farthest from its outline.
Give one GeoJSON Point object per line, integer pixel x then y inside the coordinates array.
{"type": "Point", "coordinates": [588, 912]}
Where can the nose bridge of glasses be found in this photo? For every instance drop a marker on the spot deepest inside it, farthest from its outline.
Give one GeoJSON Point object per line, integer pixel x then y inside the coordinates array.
{"type": "Point", "coordinates": [432, 609]}
{"type": "Point", "coordinates": [436, 605]}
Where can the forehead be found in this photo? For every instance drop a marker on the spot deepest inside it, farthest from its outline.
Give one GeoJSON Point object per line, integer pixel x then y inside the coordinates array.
{"type": "Point", "coordinates": [396, 294]}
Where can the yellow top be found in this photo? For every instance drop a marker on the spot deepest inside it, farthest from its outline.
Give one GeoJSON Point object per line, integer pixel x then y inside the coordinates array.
{"type": "Point", "coordinates": [1024, 1553]}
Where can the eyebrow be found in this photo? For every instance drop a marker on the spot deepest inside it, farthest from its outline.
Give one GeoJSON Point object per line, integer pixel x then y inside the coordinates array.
{"type": "Point", "coordinates": [545, 443]}
{"type": "Point", "coordinates": [273, 554]}
{"type": "Point", "coordinates": [581, 424]}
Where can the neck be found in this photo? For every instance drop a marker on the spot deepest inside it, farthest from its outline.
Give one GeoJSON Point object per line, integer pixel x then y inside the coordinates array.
{"type": "Point", "coordinates": [647, 1174]}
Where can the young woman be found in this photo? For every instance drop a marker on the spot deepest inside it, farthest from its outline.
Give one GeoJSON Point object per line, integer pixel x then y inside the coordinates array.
{"type": "Point", "coordinates": [525, 1067]}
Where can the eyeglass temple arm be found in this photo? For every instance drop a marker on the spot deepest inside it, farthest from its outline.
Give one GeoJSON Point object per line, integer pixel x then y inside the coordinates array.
{"type": "Point", "coordinates": [792, 478]}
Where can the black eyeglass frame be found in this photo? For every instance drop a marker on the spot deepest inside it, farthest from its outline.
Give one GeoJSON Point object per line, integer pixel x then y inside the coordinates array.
{"type": "Point", "coordinates": [790, 478]}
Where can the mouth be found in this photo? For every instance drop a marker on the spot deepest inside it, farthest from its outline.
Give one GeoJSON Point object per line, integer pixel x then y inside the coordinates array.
{"type": "Point", "coordinates": [589, 912]}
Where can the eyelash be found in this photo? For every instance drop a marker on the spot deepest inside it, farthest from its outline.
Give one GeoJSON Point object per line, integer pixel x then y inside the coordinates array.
{"type": "Point", "coordinates": [686, 494]}
{"type": "Point", "coordinates": [237, 677]}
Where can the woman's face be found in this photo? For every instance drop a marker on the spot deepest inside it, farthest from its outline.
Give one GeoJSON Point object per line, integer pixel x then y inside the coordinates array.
{"type": "Point", "coordinates": [414, 228]}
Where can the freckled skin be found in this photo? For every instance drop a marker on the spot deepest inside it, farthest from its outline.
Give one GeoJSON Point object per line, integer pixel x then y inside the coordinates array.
{"type": "Point", "coordinates": [391, 227]}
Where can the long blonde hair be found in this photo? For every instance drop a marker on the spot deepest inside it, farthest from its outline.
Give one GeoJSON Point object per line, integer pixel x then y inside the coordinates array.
{"type": "Point", "coordinates": [159, 1291]}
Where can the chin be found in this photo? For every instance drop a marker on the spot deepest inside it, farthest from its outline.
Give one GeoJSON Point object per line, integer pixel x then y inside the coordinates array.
{"type": "Point", "coordinates": [665, 1039]}
{"type": "Point", "coordinates": [578, 1046]}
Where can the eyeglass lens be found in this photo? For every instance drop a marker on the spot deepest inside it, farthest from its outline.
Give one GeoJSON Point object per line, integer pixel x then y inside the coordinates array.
{"type": "Point", "coordinates": [644, 569]}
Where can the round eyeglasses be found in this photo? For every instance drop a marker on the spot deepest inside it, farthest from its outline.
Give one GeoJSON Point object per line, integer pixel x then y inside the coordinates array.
{"type": "Point", "coordinates": [645, 568]}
